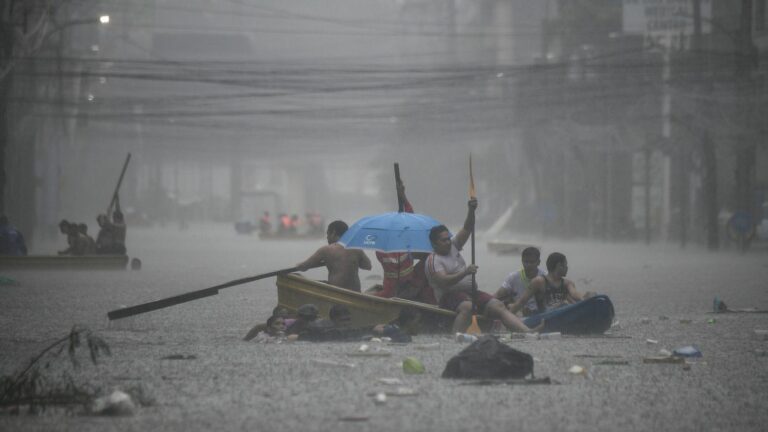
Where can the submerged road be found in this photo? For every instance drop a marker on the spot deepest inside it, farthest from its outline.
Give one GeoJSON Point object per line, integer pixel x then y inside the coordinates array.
{"type": "Point", "coordinates": [660, 292]}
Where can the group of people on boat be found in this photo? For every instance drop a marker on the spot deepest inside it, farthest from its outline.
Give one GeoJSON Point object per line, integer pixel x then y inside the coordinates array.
{"type": "Point", "coordinates": [443, 278]}
{"type": "Point", "coordinates": [291, 225]}
{"type": "Point", "coordinates": [110, 239]}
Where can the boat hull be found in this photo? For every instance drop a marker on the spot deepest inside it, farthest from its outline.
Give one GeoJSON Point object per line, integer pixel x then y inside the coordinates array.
{"type": "Point", "coordinates": [65, 262]}
{"type": "Point", "coordinates": [294, 290]}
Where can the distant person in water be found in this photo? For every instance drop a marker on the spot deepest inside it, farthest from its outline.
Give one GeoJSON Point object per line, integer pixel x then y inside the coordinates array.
{"type": "Point", "coordinates": [265, 223]}
{"type": "Point", "coordinates": [342, 263]}
{"type": "Point", "coordinates": [111, 237]}
{"type": "Point", "coordinates": [11, 240]}
{"type": "Point", "coordinates": [90, 243]}
{"type": "Point", "coordinates": [77, 242]}
{"type": "Point", "coordinates": [284, 224]}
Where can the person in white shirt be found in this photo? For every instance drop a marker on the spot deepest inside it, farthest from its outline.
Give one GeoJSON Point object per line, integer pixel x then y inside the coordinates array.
{"type": "Point", "coordinates": [516, 284]}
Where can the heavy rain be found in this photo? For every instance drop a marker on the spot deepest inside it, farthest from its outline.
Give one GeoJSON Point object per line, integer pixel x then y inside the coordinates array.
{"type": "Point", "coordinates": [170, 171]}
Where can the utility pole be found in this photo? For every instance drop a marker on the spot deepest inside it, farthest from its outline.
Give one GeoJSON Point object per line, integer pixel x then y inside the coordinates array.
{"type": "Point", "coordinates": [746, 59]}
{"type": "Point", "coordinates": [647, 190]}
{"type": "Point", "coordinates": [708, 153]}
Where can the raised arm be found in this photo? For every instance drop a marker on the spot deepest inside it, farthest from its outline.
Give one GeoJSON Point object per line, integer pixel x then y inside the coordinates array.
{"type": "Point", "coordinates": [469, 223]}
{"type": "Point", "coordinates": [407, 207]}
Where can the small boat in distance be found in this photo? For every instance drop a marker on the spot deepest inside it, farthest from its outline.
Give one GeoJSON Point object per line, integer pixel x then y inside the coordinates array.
{"type": "Point", "coordinates": [65, 262]}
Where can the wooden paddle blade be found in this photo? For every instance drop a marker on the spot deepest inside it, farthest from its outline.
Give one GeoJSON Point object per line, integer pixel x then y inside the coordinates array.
{"type": "Point", "coordinates": [472, 194]}
{"type": "Point", "coordinates": [474, 328]}
{"type": "Point", "coordinates": [400, 203]}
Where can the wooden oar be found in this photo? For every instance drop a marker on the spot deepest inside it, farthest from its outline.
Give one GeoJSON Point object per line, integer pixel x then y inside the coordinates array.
{"type": "Point", "coordinates": [400, 203]}
{"type": "Point", "coordinates": [119, 182]}
{"type": "Point", "coordinates": [400, 209]}
{"type": "Point", "coordinates": [473, 327]}
{"type": "Point", "coordinates": [194, 295]}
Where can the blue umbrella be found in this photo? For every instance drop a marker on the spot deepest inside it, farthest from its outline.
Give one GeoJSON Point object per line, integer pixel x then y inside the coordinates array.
{"type": "Point", "coordinates": [391, 232]}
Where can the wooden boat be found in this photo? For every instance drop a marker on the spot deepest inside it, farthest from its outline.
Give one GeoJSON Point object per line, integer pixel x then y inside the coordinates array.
{"type": "Point", "coordinates": [65, 262]}
{"type": "Point", "coordinates": [294, 290]}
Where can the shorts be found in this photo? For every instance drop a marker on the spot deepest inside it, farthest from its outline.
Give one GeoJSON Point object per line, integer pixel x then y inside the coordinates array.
{"type": "Point", "coordinates": [452, 300]}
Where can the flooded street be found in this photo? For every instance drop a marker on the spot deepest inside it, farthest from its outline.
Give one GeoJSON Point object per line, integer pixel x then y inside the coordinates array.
{"type": "Point", "coordinates": [659, 292]}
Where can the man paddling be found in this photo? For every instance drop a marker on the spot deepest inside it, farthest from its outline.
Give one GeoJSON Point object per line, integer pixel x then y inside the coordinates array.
{"type": "Point", "coordinates": [451, 279]}
{"type": "Point", "coordinates": [342, 263]}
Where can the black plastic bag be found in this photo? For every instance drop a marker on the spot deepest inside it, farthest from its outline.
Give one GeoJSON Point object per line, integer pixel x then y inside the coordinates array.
{"type": "Point", "coordinates": [489, 358]}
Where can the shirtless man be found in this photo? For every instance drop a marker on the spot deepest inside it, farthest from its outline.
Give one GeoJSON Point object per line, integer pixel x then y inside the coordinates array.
{"type": "Point", "coordinates": [342, 263]}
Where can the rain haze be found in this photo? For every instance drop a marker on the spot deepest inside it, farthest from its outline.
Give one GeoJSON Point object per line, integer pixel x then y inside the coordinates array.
{"type": "Point", "coordinates": [630, 136]}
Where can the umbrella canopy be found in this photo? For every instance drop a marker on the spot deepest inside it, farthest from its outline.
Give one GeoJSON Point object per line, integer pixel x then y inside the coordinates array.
{"type": "Point", "coordinates": [391, 232]}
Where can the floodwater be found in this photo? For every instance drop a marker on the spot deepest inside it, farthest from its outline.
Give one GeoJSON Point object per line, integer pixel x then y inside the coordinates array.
{"type": "Point", "coordinates": [660, 292]}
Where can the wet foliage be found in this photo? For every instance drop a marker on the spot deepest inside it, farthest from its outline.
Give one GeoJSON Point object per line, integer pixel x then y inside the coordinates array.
{"type": "Point", "coordinates": [49, 379]}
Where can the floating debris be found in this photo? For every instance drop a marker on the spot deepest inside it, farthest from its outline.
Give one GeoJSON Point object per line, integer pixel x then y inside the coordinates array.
{"type": "Point", "coordinates": [398, 392]}
{"type": "Point", "coordinates": [613, 363]}
{"type": "Point", "coordinates": [118, 403]}
{"type": "Point", "coordinates": [687, 351]}
{"type": "Point", "coordinates": [333, 363]}
{"type": "Point", "coordinates": [179, 357]}
{"type": "Point", "coordinates": [550, 336]}
{"type": "Point", "coordinates": [354, 418]}
{"type": "Point", "coordinates": [664, 359]}
{"type": "Point", "coordinates": [428, 346]}
{"type": "Point", "coordinates": [8, 281]}
{"type": "Point", "coordinates": [413, 366]}
{"type": "Point", "coordinates": [531, 381]}
{"type": "Point", "coordinates": [577, 370]}
{"type": "Point", "coordinates": [597, 355]}
{"type": "Point", "coordinates": [370, 354]}
{"type": "Point", "coordinates": [380, 398]}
